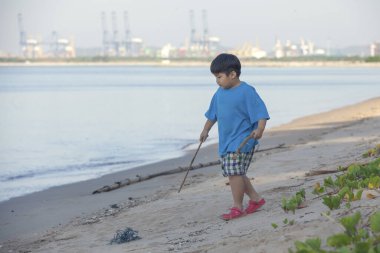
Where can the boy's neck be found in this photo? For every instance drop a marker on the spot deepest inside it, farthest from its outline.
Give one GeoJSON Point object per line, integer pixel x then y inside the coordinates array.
{"type": "Point", "coordinates": [236, 82]}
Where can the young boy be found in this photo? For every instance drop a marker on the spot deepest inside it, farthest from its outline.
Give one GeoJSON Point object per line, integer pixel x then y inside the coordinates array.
{"type": "Point", "coordinates": [240, 113]}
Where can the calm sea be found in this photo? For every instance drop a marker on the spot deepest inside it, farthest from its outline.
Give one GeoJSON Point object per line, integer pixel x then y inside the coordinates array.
{"type": "Point", "coordinates": [66, 124]}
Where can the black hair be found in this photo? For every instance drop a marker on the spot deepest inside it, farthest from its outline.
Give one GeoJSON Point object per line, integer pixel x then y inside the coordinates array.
{"type": "Point", "coordinates": [225, 63]}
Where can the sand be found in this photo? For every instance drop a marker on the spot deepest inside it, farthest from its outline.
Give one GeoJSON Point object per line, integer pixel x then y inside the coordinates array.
{"type": "Point", "coordinates": [70, 219]}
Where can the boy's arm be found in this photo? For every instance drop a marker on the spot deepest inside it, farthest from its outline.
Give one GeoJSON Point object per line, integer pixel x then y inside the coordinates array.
{"type": "Point", "coordinates": [258, 132]}
{"type": "Point", "coordinates": [206, 129]}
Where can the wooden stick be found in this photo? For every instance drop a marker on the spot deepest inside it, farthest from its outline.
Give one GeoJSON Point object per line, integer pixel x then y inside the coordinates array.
{"type": "Point", "coordinates": [241, 146]}
{"type": "Point", "coordinates": [183, 182]}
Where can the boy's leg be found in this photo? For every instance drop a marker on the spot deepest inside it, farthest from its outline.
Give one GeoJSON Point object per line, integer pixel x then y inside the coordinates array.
{"type": "Point", "coordinates": [256, 201]}
{"type": "Point", "coordinates": [237, 184]}
{"type": "Point", "coordinates": [249, 190]}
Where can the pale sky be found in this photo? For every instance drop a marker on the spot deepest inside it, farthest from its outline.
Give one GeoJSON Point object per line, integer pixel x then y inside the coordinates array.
{"type": "Point", "coordinates": [157, 22]}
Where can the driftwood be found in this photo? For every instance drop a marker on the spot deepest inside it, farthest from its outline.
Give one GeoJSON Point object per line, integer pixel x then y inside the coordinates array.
{"type": "Point", "coordinates": [340, 169]}
{"type": "Point", "coordinates": [320, 172]}
{"type": "Point", "coordinates": [139, 178]}
{"type": "Point", "coordinates": [282, 145]}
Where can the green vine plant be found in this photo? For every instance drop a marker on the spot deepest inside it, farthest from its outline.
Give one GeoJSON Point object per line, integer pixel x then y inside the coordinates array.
{"type": "Point", "coordinates": [358, 236]}
{"type": "Point", "coordinates": [288, 222]}
{"type": "Point", "coordinates": [295, 202]}
{"type": "Point", "coordinates": [350, 185]}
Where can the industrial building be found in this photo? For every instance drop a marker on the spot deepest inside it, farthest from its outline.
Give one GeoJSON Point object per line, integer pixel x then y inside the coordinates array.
{"type": "Point", "coordinates": [201, 45]}
{"type": "Point", "coordinates": [115, 45]}
{"type": "Point", "coordinates": [248, 51]}
{"type": "Point", "coordinates": [34, 47]}
{"type": "Point", "coordinates": [375, 49]}
{"type": "Point", "coordinates": [304, 48]}
{"type": "Point", "coordinates": [198, 46]}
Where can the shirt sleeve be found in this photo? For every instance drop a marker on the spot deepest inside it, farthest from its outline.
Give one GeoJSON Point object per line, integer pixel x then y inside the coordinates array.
{"type": "Point", "coordinates": [256, 107]}
{"type": "Point", "coordinates": [211, 113]}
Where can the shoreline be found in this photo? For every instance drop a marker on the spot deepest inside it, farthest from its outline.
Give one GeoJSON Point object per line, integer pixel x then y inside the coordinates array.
{"type": "Point", "coordinates": [176, 154]}
{"type": "Point", "coordinates": [31, 217]}
{"type": "Point", "coordinates": [183, 64]}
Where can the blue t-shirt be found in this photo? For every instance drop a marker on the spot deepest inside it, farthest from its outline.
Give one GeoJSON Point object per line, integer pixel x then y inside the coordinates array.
{"type": "Point", "coordinates": [237, 111]}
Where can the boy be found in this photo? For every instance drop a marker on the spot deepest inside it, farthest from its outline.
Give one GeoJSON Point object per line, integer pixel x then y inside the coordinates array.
{"type": "Point", "coordinates": [240, 112]}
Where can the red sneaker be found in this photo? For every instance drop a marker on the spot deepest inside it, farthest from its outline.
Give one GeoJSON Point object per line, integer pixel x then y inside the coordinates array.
{"type": "Point", "coordinates": [253, 205]}
{"type": "Point", "coordinates": [234, 213]}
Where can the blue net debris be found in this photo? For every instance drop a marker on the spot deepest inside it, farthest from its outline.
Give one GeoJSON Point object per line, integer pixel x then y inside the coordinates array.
{"type": "Point", "coordinates": [125, 235]}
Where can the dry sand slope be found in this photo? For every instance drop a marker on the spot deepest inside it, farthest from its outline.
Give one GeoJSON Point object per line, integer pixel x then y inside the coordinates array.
{"type": "Point", "coordinates": [188, 222]}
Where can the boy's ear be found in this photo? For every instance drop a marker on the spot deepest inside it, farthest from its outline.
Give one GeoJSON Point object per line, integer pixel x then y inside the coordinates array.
{"type": "Point", "coordinates": [232, 74]}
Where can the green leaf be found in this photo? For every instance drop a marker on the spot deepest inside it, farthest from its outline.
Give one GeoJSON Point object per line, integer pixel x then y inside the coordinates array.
{"type": "Point", "coordinates": [300, 246]}
{"type": "Point", "coordinates": [294, 202]}
{"type": "Point", "coordinates": [362, 233]}
{"type": "Point", "coordinates": [285, 221]}
{"type": "Point", "coordinates": [343, 250]}
{"type": "Point", "coordinates": [314, 243]}
{"type": "Point", "coordinates": [362, 247]}
{"type": "Point", "coordinates": [283, 203]}
{"type": "Point", "coordinates": [338, 240]}
{"type": "Point", "coordinates": [350, 222]}
{"type": "Point", "coordinates": [354, 169]}
{"type": "Point", "coordinates": [358, 195]}
{"type": "Point", "coordinates": [351, 196]}
{"type": "Point", "coordinates": [332, 202]}
{"type": "Point", "coordinates": [274, 225]}
{"type": "Point", "coordinates": [374, 182]}
{"type": "Point", "coordinates": [375, 222]}
{"type": "Point", "coordinates": [343, 192]}
{"type": "Point", "coordinates": [301, 193]}
{"type": "Point", "coordinates": [328, 182]}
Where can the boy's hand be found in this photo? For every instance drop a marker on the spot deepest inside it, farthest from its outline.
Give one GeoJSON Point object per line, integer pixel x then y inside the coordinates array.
{"type": "Point", "coordinates": [257, 133]}
{"type": "Point", "coordinates": [203, 136]}
{"type": "Point", "coordinates": [206, 129]}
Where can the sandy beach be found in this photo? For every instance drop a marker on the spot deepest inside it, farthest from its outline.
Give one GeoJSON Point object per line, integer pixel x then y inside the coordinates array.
{"type": "Point", "coordinates": [70, 218]}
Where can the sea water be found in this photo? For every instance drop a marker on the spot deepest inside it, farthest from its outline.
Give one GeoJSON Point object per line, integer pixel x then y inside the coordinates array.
{"type": "Point", "coordinates": [66, 124]}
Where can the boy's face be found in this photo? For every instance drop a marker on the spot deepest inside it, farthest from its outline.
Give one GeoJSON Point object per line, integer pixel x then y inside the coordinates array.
{"type": "Point", "coordinates": [226, 81]}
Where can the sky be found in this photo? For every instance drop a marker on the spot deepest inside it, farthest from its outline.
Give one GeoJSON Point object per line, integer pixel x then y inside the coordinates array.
{"type": "Point", "coordinates": [339, 23]}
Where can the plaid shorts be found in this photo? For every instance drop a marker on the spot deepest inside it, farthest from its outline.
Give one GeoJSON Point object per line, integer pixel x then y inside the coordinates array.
{"type": "Point", "coordinates": [238, 166]}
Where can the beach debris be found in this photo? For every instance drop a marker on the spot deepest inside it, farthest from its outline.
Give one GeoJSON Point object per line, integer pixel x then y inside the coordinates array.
{"type": "Point", "coordinates": [126, 235]}
{"type": "Point", "coordinates": [370, 196]}
{"type": "Point", "coordinates": [114, 206]}
{"type": "Point", "coordinates": [128, 181]}
{"type": "Point", "coordinates": [92, 220]}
